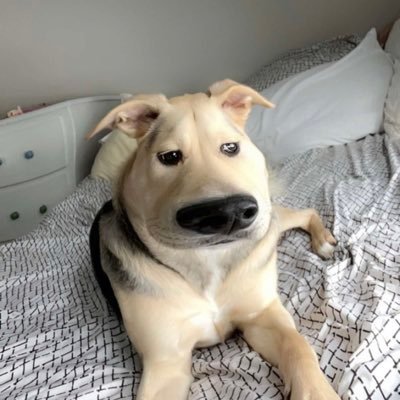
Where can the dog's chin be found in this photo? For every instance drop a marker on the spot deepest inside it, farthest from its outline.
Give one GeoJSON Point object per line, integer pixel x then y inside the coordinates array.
{"type": "Point", "coordinates": [186, 240]}
{"type": "Point", "coordinates": [252, 234]}
{"type": "Point", "coordinates": [223, 241]}
{"type": "Point", "coordinates": [197, 241]}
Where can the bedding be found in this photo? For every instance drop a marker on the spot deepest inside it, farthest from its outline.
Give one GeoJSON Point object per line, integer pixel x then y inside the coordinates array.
{"type": "Point", "coordinates": [60, 339]}
{"type": "Point", "coordinates": [329, 104]}
{"type": "Point", "coordinates": [392, 45]}
{"type": "Point", "coordinates": [391, 122]}
{"type": "Point", "coordinates": [116, 147]}
{"type": "Point", "coordinates": [113, 154]}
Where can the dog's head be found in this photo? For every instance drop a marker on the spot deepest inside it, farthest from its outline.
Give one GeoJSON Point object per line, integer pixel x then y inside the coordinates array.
{"type": "Point", "coordinates": [196, 178]}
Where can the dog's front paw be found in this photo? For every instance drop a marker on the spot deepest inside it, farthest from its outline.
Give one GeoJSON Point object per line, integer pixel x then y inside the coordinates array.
{"type": "Point", "coordinates": [324, 244]}
{"type": "Point", "coordinates": [312, 389]}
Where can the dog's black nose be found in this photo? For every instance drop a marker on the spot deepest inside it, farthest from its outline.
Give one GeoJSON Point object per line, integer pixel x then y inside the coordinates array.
{"type": "Point", "coordinates": [225, 215]}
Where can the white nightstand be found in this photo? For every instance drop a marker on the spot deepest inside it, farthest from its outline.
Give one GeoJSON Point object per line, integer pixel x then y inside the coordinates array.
{"type": "Point", "coordinates": [43, 155]}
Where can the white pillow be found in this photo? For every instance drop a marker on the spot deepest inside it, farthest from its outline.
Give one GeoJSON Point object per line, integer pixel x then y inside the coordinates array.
{"type": "Point", "coordinates": [393, 42]}
{"type": "Point", "coordinates": [328, 105]}
{"type": "Point", "coordinates": [392, 106]}
{"type": "Point", "coordinates": [113, 154]}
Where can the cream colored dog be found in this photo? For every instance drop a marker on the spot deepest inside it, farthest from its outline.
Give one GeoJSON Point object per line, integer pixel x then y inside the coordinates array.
{"type": "Point", "coordinates": [189, 241]}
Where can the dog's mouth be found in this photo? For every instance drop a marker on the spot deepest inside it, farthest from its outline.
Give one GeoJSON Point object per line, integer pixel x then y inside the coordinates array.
{"type": "Point", "coordinates": [216, 240]}
{"type": "Point", "coordinates": [225, 241]}
{"type": "Point", "coordinates": [181, 240]}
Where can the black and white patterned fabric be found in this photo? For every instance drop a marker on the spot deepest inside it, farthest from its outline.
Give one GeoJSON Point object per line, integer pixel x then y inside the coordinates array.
{"type": "Point", "coordinates": [299, 60]}
{"type": "Point", "coordinates": [60, 340]}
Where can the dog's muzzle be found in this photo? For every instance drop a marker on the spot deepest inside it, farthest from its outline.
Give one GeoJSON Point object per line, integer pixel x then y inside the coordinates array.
{"type": "Point", "coordinates": [223, 216]}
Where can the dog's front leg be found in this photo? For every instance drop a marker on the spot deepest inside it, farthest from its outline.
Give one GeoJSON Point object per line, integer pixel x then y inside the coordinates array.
{"type": "Point", "coordinates": [273, 334]}
{"type": "Point", "coordinates": [161, 329]}
{"type": "Point", "coordinates": [309, 220]}
{"type": "Point", "coordinates": [166, 378]}
{"type": "Point", "coordinates": [166, 354]}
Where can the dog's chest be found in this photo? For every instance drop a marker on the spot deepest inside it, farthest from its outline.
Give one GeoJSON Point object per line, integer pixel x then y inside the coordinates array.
{"type": "Point", "coordinates": [234, 299]}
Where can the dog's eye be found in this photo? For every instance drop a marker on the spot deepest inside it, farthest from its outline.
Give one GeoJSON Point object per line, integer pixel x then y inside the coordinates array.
{"type": "Point", "coordinates": [230, 149]}
{"type": "Point", "coordinates": [170, 157]}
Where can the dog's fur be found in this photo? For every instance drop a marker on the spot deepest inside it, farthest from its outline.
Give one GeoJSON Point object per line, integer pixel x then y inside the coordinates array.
{"type": "Point", "coordinates": [177, 289]}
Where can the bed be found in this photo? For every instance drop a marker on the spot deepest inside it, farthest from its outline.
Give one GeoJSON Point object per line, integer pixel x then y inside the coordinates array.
{"type": "Point", "coordinates": [60, 339]}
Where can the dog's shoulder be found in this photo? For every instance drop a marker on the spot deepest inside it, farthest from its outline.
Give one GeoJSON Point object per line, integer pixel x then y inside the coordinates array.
{"type": "Point", "coordinates": [95, 254]}
{"type": "Point", "coordinates": [117, 253]}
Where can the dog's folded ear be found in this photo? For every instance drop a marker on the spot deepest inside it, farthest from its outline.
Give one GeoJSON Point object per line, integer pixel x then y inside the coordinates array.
{"type": "Point", "coordinates": [237, 99]}
{"type": "Point", "coordinates": [133, 117]}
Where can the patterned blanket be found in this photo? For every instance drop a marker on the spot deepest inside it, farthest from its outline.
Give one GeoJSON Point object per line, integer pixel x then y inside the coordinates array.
{"type": "Point", "coordinates": [60, 340]}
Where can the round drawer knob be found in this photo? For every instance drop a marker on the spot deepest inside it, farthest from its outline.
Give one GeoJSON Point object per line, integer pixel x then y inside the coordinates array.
{"type": "Point", "coordinates": [28, 154]}
{"type": "Point", "coordinates": [14, 215]}
{"type": "Point", "coordinates": [43, 209]}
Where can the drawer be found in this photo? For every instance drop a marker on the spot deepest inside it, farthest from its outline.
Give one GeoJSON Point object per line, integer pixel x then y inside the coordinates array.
{"type": "Point", "coordinates": [31, 149]}
{"type": "Point", "coordinates": [23, 206]}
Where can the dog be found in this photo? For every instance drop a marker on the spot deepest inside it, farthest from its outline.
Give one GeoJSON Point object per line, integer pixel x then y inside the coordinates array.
{"type": "Point", "coordinates": [187, 248]}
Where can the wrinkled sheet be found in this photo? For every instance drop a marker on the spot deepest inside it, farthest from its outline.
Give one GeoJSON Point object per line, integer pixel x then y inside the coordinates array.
{"type": "Point", "coordinates": [60, 340]}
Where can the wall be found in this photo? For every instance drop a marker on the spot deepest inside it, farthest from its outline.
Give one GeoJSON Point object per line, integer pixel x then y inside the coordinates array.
{"type": "Point", "coordinates": [58, 49]}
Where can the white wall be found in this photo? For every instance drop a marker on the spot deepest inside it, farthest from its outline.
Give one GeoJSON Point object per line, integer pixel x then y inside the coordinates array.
{"type": "Point", "coordinates": [52, 50]}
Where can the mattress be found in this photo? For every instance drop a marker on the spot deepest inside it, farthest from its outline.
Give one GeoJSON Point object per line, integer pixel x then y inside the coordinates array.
{"type": "Point", "coordinates": [59, 339]}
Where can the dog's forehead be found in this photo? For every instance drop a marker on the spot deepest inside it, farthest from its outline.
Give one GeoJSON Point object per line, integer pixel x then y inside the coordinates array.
{"type": "Point", "coordinates": [197, 112]}
{"type": "Point", "coordinates": [189, 99]}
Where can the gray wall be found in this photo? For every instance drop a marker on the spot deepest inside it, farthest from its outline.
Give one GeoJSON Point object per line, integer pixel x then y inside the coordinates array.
{"type": "Point", "coordinates": [51, 50]}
